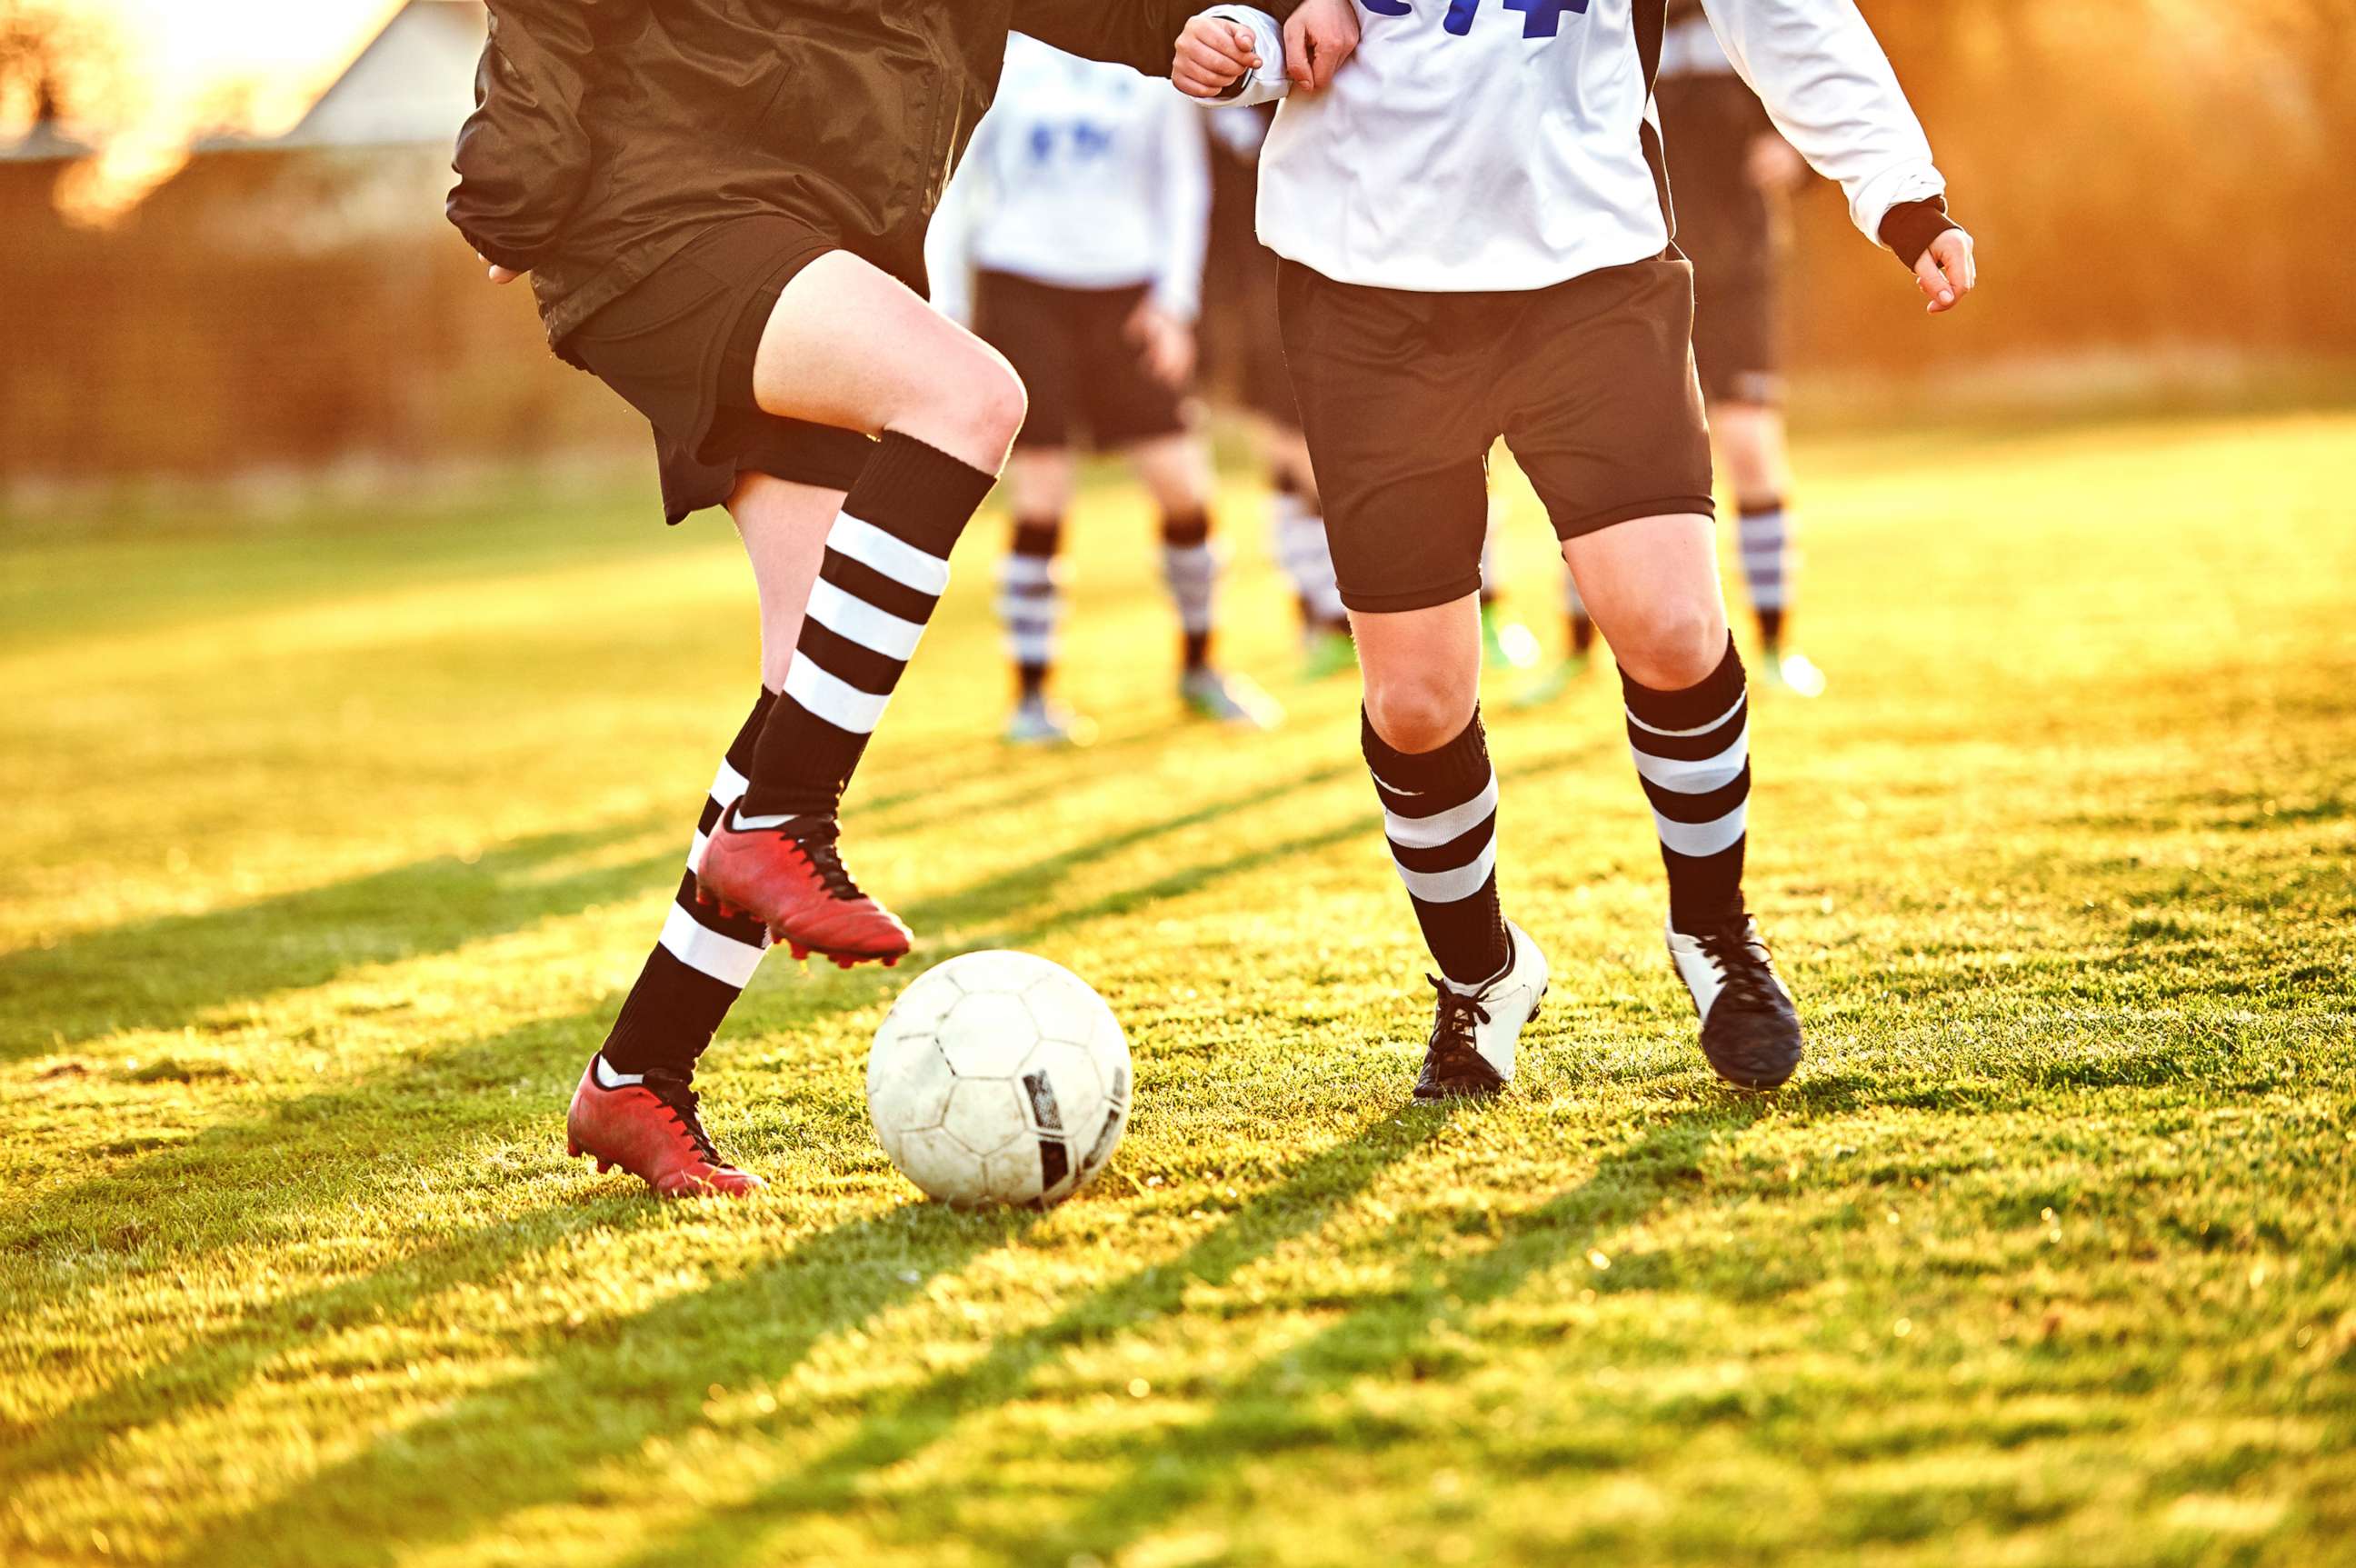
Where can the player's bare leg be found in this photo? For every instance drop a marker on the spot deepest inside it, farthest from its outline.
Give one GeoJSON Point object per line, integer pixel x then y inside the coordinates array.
{"type": "Point", "coordinates": [1176, 471]}
{"type": "Point", "coordinates": [1424, 744]}
{"type": "Point", "coordinates": [1652, 587]}
{"type": "Point", "coordinates": [850, 346]}
{"type": "Point", "coordinates": [637, 1106]}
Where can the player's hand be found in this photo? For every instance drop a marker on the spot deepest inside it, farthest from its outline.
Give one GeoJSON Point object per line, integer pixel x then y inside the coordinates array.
{"type": "Point", "coordinates": [1948, 271]}
{"type": "Point", "coordinates": [1773, 164]}
{"type": "Point", "coordinates": [499, 274]}
{"type": "Point", "coordinates": [1317, 40]}
{"type": "Point", "coordinates": [1166, 343]}
{"type": "Point", "coordinates": [1213, 56]}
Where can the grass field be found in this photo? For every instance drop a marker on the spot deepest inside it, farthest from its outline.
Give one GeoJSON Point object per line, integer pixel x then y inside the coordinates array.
{"type": "Point", "coordinates": [331, 841]}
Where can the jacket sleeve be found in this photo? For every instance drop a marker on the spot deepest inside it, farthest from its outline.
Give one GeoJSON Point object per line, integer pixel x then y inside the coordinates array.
{"type": "Point", "coordinates": [1139, 34]}
{"type": "Point", "coordinates": [523, 158]}
{"type": "Point", "coordinates": [1830, 91]}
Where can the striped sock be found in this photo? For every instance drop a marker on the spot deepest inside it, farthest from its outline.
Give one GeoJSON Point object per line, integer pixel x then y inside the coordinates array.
{"type": "Point", "coordinates": [1191, 567]}
{"type": "Point", "coordinates": [1308, 559]}
{"type": "Point", "coordinates": [1768, 563]}
{"type": "Point", "coordinates": [1031, 600]}
{"type": "Point", "coordinates": [1693, 756]}
{"type": "Point", "coordinates": [1440, 814]}
{"type": "Point", "coordinates": [701, 962]}
{"type": "Point", "coordinates": [887, 566]}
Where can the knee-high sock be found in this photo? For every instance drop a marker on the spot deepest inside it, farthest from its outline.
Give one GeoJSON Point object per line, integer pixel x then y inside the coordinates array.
{"type": "Point", "coordinates": [1307, 559]}
{"type": "Point", "coordinates": [1191, 567]}
{"type": "Point", "coordinates": [1031, 599]}
{"type": "Point", "coordinates": [1440, 814]}
{"type": "Point", "coordinates": [1582, 625]}
{"type": "Point", "coordinates": [887, 566]}
{"type": "Point", "coordinates": [1693, 754]}
{"type": "Point", "coordinates": [1768, 563]}
{"type": "Point", "coordinates": [701, 962]}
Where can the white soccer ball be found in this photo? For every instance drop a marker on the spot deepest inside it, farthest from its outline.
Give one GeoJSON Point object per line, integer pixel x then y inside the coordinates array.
{"type": "Point", "coordinates": [999, 1078]}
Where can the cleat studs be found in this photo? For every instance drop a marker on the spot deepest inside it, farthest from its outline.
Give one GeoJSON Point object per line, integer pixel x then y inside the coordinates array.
{"type": "Point", "coordinates": [892, 963]}
{"type": "Point", "coordinates": [572, 1148]}
{"type": "Point", "coordinates": [801, 951]}
{"type": "Point", "coordinates": [604, 1166]}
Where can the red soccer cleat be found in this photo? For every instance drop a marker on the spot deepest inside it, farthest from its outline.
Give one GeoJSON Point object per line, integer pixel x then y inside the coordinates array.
{"type": "Point", "coordinates": [791, 879]}
{"type": "Point", "coordinates": [650, 1129]}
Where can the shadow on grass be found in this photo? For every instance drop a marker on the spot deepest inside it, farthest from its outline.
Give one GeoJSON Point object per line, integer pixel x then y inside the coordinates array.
{"type": "Point", "coordinates": [325, 1148]}
{"type": "Point", "coordinates": [1274, 1406]}
{"type": "Point", "coordinates": [164, 973]}
{"type": "Point", "coordinates": [1268, 1406]}
{"type": "Point", "coordinates": [532, 1441]}
{"type": "Point", "coordinates": [211, 1372]}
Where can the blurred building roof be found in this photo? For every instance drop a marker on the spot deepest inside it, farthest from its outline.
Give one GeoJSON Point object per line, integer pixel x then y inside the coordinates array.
{"type": "Point", "coordinates": [415, 82]}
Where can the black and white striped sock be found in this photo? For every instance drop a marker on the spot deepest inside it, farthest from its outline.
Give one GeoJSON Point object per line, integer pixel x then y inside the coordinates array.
{"type": "Point", "coordinates": [1770, 562]}
{"type": "Point", "coordinates": [701, 962]}
{"type": "Point", "coordinates": [1190, 568]}
{"type": "Point", "coordinates": [886, 565]}
{"type": "Point", "coordinates": [1693, 756]}
{"type": "Point", "coordinates": [1031, 600]}
{"type": "Point", "coordinates": [1440, 814]}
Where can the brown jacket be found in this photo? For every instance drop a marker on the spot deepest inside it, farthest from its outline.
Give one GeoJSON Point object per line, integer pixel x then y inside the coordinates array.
{"type": "Point", "coordinates": [608, 134]}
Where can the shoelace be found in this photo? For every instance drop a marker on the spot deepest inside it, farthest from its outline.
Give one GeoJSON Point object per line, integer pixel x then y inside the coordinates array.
{"type": "Point", "coordinates": [681, 1101]}
{"type": "Point", "coordinates": [816, 836]}
{"type": "Point", "coordinates": [1452, 1046]}
{"type": "Point", "coordinates": [1741, 967]}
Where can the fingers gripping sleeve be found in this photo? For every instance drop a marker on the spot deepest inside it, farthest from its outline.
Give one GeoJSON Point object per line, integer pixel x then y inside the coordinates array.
{"type": "Point", "coordinates": [1831, 92]}
{"type": "Point", "coordinates": [523, 157]}
{"type": "Point", "coordinates": [1268, 83]}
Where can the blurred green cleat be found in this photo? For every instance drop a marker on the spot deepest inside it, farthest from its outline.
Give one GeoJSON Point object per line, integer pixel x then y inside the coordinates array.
{"type": "Point", "coordinates": [1038, 722]}
{"type": "Point", "coordinates": [1229, 700]}
{"type": "Point", "coordinates": [1327, 653]}
{"type": "Point", "coordinates": [1549, 687]}
{"type": "Point", "coordinates": [1507, 644]}
{"type": "Point", "coordinates": [1793, 672]}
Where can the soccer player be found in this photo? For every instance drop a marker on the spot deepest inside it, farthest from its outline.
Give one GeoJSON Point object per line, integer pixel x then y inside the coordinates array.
{"type": "Point", "coordinates": [1476, 226]}
{"type": "Point", "coordinates": [1732, 175]}
{"type": "Point", "coordinates": [723, 211]}
{"type": "Point", "coordinates": [1072, 242]}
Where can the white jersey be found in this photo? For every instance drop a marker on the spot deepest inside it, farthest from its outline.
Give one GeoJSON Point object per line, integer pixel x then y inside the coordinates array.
{"type": "Point", "coordinates": [1479, 144]}
{"type": "Point", "coordinates": [1081, 176]}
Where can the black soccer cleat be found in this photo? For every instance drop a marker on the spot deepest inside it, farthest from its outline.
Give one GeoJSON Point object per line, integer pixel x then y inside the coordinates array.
{"type": "Point", "coordinates": [1750, 1027]}
{"type": "Point", "coordinates": [1453, 1068]}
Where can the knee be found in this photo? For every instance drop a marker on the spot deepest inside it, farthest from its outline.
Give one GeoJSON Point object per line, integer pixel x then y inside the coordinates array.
{"type": "Point", "coordinates": [1419, 711]}
{"type": "Point", "coordinates": [1673, 643]}
{"type": "Point", "coordinates": [978, 405]}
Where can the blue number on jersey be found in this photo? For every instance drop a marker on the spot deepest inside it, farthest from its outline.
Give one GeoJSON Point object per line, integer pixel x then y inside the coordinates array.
{"type": "Point", "coordinates": [1543, 18]}
{"type": "Point", "coordinates": [1540, 19]}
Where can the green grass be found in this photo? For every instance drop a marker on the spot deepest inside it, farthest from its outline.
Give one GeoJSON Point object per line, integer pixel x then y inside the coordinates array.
{"type": "Point", "coordinates": [329, 844]}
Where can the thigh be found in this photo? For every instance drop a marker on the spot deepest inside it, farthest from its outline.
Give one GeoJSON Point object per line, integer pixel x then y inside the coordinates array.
{"type": "Point", "coordinates": [847, 343]}
{"type": "Point", "coordinates": [1032, 325]}
{"type": "Point", "coordinates": [1395, 420]}
{"type": "Point", "coordinates": [1601, 406]}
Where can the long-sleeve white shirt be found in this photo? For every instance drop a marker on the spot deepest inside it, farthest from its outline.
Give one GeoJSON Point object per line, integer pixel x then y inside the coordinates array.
{"type": "Point", "coordinates": [1082, 176]}
{"type": "Point", "coordinates": [1477, 145]}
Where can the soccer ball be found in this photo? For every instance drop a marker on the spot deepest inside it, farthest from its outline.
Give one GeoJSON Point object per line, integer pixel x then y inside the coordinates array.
{"type": "Point", "coordinates": [999, 1078]}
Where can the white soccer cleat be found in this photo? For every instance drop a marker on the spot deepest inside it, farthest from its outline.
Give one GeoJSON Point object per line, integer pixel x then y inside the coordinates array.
{"type": "Point", "coordinates": [1750, 1025]}
{"type": "Point", "coordinates": [1471, 1052]}
{"type": "Point", "coordinates": [1229, 700]}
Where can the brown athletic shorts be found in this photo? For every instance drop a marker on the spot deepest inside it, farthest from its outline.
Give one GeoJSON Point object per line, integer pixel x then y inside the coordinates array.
{"type": "Point", "coordinates": [680, 346]}
{"type": "Point", "coordinates": [1591, 383]}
